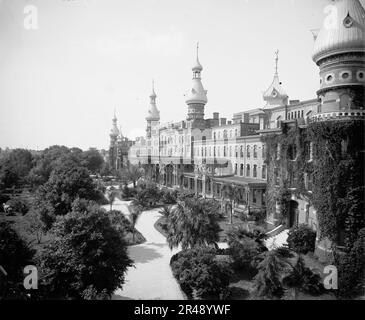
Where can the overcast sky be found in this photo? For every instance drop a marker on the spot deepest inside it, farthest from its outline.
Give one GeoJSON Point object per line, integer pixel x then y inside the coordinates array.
{"type": "Point", "coordinates": [60, 83]}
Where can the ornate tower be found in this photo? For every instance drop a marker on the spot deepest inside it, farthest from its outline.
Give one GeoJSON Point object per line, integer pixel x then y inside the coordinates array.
{"type": "Point", "coordinates": [196, 97]}
{"type": "Point", "coordinates": [339, 51]}
{"type": "Point", "coordinates": [153, 116]}
{"type": "Point", "coordinates": [275, 95]}
{"type": "Point", "coordinates": [113, 148]}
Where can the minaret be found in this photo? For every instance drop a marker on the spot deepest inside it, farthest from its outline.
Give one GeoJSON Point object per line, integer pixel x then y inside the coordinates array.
{"type": "Point", "coordinates": [113, 149]}
{"type": "Point", "coordinates": [339, 52]}
{"type": "Point", "coordinates": [153, 116]}
{"type": "Point", "coordinates": [196, 97]}
{"type": "Point", "coordinates": [275, 94]}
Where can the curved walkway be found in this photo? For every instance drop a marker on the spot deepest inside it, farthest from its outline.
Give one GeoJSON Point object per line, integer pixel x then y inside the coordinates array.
{"type": "Point", "coordinates": [151, 277]}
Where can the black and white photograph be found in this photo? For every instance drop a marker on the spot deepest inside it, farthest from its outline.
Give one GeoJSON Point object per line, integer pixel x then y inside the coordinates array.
{"type": "Point", "coordinates": [192, 152]}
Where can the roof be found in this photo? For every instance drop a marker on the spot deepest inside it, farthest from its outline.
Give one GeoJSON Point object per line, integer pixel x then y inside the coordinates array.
{"type": "Point", "coordinates": [242, 181]}
{"type": "Point", "coordinates": [344, 34]}
{"type": "Point", "coordinates": [275, 91]}
{"type": "Point", "coordinates": [197, 93]}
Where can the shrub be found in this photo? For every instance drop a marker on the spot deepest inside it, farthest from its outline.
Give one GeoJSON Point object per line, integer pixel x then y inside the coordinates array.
{"type": "Point", "coordinates": [302, 239]}
{"type": "Point", "coordinates": [351, 268]}
{"type": "Point", "coordinates": [304, 279]}
{"type": "Point", "coordinates": [198, 270]}
{"type": "Point", "coordinates": [243, 248]}
{"type": "Point", "coordinates": [169, 197]}
{"type": "Point", "coordinates": [18, 204]}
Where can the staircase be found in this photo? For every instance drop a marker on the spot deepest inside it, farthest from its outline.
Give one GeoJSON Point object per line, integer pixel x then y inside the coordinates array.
{"type": "Point", "coordinates": [276, 238]}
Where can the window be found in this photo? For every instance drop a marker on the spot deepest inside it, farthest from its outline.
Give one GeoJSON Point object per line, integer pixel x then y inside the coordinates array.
{"type": "Point", "coordinates": [236, 150]}
{"type": "Point", "coordinates": [263, 152]}
{"type": "Point", "coordinates": [255, 151]}
{"type": "Point", "coordinates": [302, 114]}
{"type": "Point", "coordinates": [248, 171]}
{"type": "Point", "coordinates": [230, 151]}
{"type": "Point", "coordinates": [263, 172]}
{"type": "Point", "coordinates": [241, 152]}
{"type": "Point", "coordinates": [276, 176]}
{"type": "Point", "coordinates": [224, 151]}
{"type": "Point", "coordinates": [215, 136]}
{"type": "Point", "coordinates": [292, 152]}
{"type": "Point", "coordinates": [254, 198]}
{"type": "Point", "coordinates": [235, 169]}
{"type": "Point", "coordinates": [255, 171]}
{"type": "Point", "coordinates": [241, 170]}
{"type": "Point", "coordinates": [360, 76]}
{"type": "Point", "coordinates": [219, 151]}
{"type": "Point", "coordinates": [214, 152]}
{"type": "Point", "coordinates": [248, 152]}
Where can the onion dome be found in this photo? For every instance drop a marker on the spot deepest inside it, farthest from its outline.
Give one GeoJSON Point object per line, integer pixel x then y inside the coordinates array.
{"type": "Point", "coordinates": [343, 30]}
{"type": "Point", "coordinates": [114, 132]}
{"type": "Point", "coordinates": [153, 113]}
{"type": "Point", "coordinates": [197, 94]}
{"type": "Point", "coordinates": [275, 94]}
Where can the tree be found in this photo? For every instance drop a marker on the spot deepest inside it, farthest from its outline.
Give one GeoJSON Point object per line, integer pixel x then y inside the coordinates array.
{"type": "Point", "coordinates": [45, 163]}
{"type": "Point", "coordinates": [68, 181]}
{"type": "Point", "coordinates": [234, 195]}
{"type": "Point", "coordinates": [268, 280]}
{"type": "Point", "coordinates": [14, 256]}
{"type": "Point", "coordinates": [133, 173]}
{"type": "Point", "coordinates": [85, 250]}
{"type": "Point", "coordinates": [112, 195]}
{"type": "Point", "coordinates": [135, 212]}
{"type": "Point", "coordinates": [92, 160]}
{"type": "Point", "coordinates": [35, 225]}
{"type": "Point", "coordinates": [193, 223]}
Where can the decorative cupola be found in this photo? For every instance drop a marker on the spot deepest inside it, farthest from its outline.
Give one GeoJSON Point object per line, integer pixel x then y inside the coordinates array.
{"type": "Point", "coordinates": [196, 97]}
{"type": "Point", "coordinates": [275, 95]}
{"type": "Point", "coordinates": [339, 51]}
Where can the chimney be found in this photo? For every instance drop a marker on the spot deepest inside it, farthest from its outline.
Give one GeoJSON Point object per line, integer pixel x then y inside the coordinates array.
{"type": "Point", "coordinates": [223, 121]}
{"type": "Point", "coordinates": [216, 115]}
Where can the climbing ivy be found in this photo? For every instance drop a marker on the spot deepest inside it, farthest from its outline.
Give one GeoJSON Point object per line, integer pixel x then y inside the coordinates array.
{"type": "Point", "coordinates": [287, 158]}
{"type": "Point", "coordinates": [337, 170]}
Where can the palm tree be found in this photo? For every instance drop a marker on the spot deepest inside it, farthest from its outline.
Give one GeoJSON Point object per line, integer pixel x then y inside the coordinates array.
{"type": "Point", "coordinates": [112, 194]}
{"type": "Point", "coordinates": [133, 173]}
{"type": "Point", "coordinates": [233, 194]}
{"type": "Point", "coordinates": [193, 223]}
{"type": "Point", "coordinates": [135, 212]}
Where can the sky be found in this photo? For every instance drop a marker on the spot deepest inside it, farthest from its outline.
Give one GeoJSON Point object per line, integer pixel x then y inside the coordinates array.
{"type": "Point", "coordinates": [62, 79]}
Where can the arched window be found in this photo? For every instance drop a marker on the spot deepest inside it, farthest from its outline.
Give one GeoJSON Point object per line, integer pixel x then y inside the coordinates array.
{"type": "Point", "coordinates": [241, 151]}
{"type": "Point", "coordinates": [255, 151]}
{"type": "Point", "coordinates": [215, 136]}
{"type": "Point", "coordinates": [248, 171]}
{"type": "Point", "coordinates": [241, 171]}
{"type": "Point", "coordinates": [255, 171]}
{"type": "Point", "coordinates": [248, 152]}
{"type": "Point", "coordinates": [264, 171]}
{"type": "Point", "coordinates": [214, 151]}
{"type": "Point", "coordinates": [230, 151]}
{"type": "Point", "coordinates": [263, 152]}
{"type": "Point", "coordinates": [235, 169]}
{"type": "Point", "coordinates": [224, 151]}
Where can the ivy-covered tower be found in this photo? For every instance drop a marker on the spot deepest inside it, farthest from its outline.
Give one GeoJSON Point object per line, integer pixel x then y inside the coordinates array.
{"type": "Point", "coordinates": [339, 51]}
{"type": "Point", "coordinates": [336, 133]}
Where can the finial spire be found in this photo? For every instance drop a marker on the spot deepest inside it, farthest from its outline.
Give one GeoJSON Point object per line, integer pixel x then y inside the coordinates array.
{"type": "Point", "coordinates": [197, 51]}
{"type": "Point", "coordinates": [115, 117]}
{"type": "Point", "coordinates": [276, 61]}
